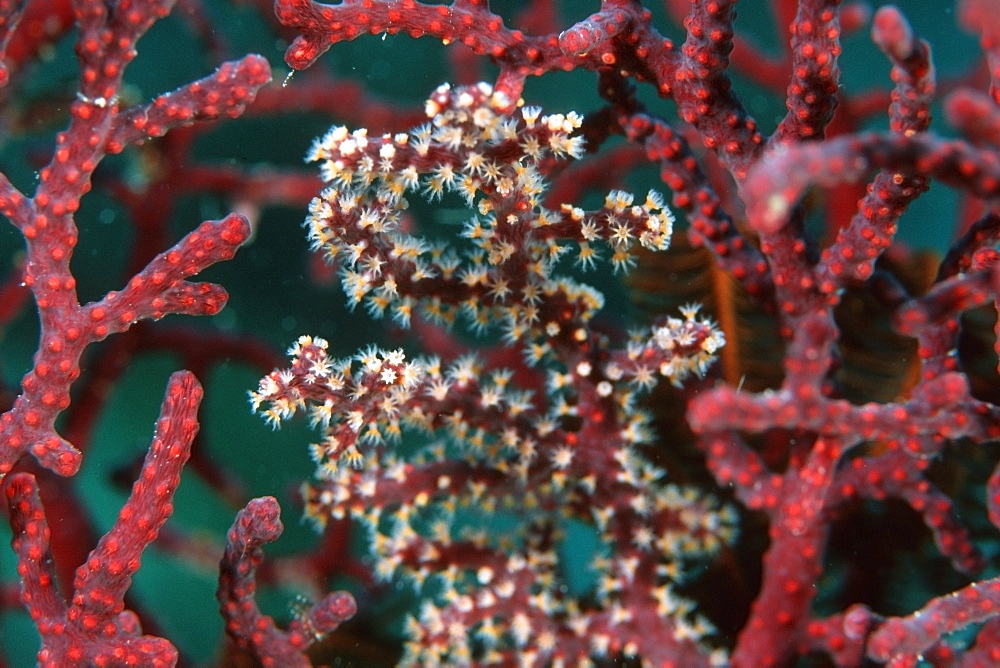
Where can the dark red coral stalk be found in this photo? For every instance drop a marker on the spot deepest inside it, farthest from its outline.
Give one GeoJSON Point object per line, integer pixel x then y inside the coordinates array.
{"type": "Point", "coordinates": [256, 525]}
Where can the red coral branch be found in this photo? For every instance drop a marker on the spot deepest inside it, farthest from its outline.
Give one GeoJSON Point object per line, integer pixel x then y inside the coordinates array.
{"type": "Point", "coordinates": [46, 220]}
{"type": "Point", "coordinates": [94, 628]}
{"type": "Point", "coordinates": [67, 328]}
{"type": "Point", "coordinates": [256, 525]}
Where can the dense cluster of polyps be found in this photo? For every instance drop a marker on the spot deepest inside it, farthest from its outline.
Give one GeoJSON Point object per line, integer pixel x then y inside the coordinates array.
{"type": "Point", "coordinates": [496, 162]}
{"type": "Point", "coordinates": [493, 446]}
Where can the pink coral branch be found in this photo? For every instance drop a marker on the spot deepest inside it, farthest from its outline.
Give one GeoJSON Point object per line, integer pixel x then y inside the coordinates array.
{"type": "Point", "coordinates": [780, 178]}
{"type": "Point", "coordinates": [901, 641]}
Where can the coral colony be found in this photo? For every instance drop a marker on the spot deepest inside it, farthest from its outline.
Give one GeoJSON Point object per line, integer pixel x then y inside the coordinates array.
{"type": "Point", "coordinates": [515, 424]}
